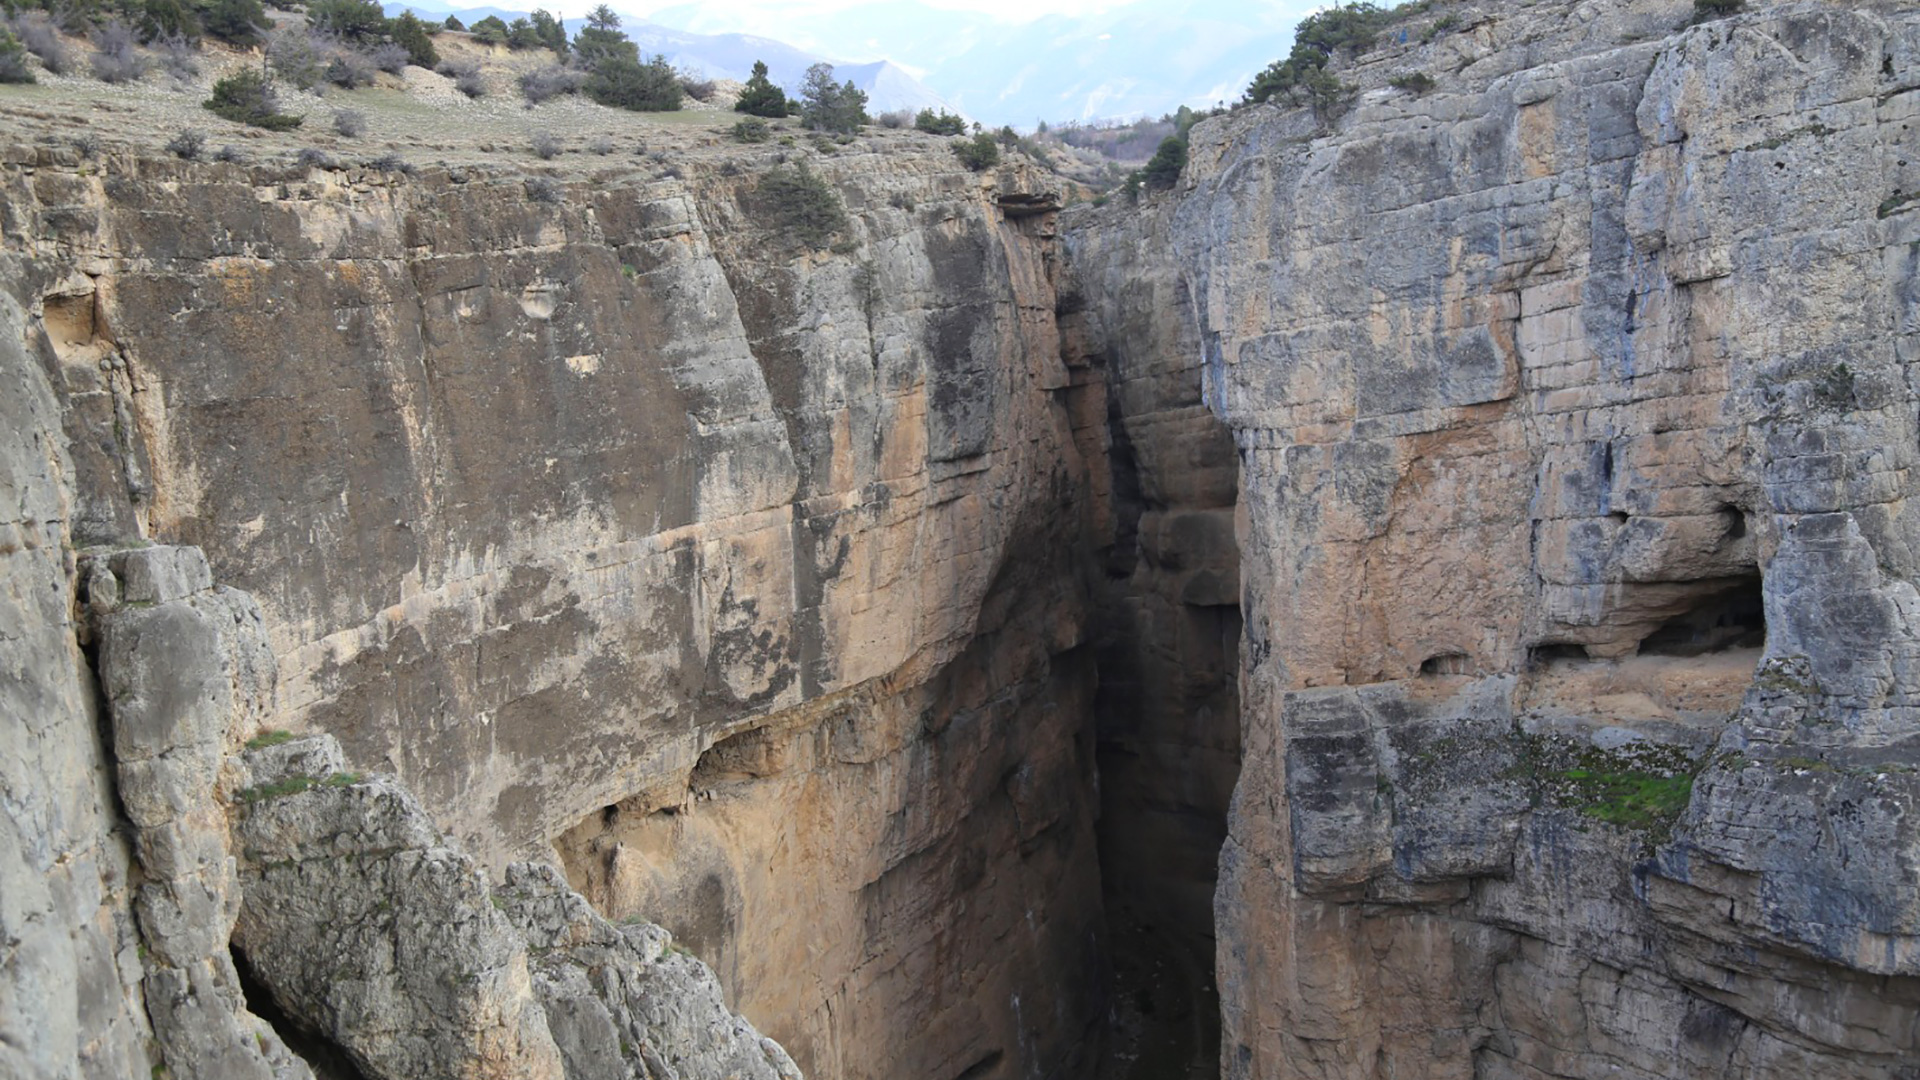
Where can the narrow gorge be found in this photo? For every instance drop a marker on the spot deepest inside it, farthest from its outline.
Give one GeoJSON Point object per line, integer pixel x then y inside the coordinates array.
{"type": "Point", "coordinates": [1430, 595]}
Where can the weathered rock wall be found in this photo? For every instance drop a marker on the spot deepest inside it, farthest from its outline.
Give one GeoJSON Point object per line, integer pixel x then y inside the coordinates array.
{"type": "Point", "coordinates": [1575, 417]}
{"type": "Point", "coordinates": [1167, 713]}
{"type": "Point", "coordinates": [740, 578]}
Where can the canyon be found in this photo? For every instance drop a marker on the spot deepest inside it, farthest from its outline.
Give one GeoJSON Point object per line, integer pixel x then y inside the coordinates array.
{"type": "Point", "coordinates": [1430, 595]}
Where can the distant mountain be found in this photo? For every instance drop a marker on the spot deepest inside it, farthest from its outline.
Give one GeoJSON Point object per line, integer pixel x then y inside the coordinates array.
{"type": "Point", "coordinates": [730, 56]}
{"type": "Point", "coordinates": [1143, 58]}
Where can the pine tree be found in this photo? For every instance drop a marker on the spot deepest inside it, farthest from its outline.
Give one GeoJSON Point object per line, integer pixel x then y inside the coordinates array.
{"type": "Point", "coordinates": [602, 39]}
{"type": "Point", "coordinates": [411, 34]}
{"type": "Point", "coordinates": [761, 97]}
{"type": "Point", "coordinates": [550, 32]}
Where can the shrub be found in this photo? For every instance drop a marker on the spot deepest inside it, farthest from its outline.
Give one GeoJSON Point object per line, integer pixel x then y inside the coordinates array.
{"type": "Point", "coordinates": [696, 87]}
{"type": "Point", "coordinates": [1350, 27]}
{"type": "Point", "coordinates": [313, 157]}
{"type": "Point", "coordinates": [178, 59]}
{"type": "Point", "coordinates": [546, 145]}
{"type": "Point", "coordinates": [389, 57]}
{"type": "Point", "coordinates": [162, 19]}
{"type": "Point", "coordinates": [247, 97]}
{"type": "Point", "coordinates": [490, 31]}
{"type": "Point", "coordinates": [545, 189]}
{"type": "Point", "coordinates": [761, 97]}
{"type": "Point", "coordinates": [41, 37]}
{"type": "Point", "coordinates": [1417, 82]}
{"type": "Point", "coordinates": [829, 106]}
{"type": "Point", "coordinates": [13, 59]}
{"type": "Point", "coordinates": [230, 154]}
{"type": "Point", "coordinates": [1164, 167]}
{"type": "Point", "coordinates": [549, 82]}
{"type": "Point", "coordinates": [348, 67]}
{"type": "Point", "coordinates": [297, 58]}
{"type": "Point", "coordinates": [978, 153]}
{"type": "Point", "coordinates": [116, 58]}
{"type": "Point", "coordinates": [940, 123]}
{"type": "Point", "coordinates": [187, 145]}
{"type": "Point", "coordinates": [600, 145]}
{"type": "Point", "coordinates": [801, 205]}
{"type": "Point", "coordinates": [350, 122]}
{"type": "Point", "coordinates": [465, 75]}
{"type": "Point", "coordinates": [896, 119]}
{"type": "Point", "coordinates": [391, 163]}
{"type": "Point", "coordinates": [238, 22]}
{"type": "Point", "coordinates": [86, 145]}
{"type": "Point", "coordinates": [625, 84]}
{"type": "Point", "coordinates": [352, 20]}
{"type": "Point", "coordinates": [752, 129]}
{"type": "Point", "coordinates": [1439, 26]}
{"type": "Point", "coordinates": [1704, 10]}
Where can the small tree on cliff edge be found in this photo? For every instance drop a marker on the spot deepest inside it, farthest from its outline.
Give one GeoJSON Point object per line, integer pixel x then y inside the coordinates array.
{"type": "Point", "coordinates": [1164, 168]}
{"type": "Point", "coordinates": [761, 97]}
{"type": "Point", "coordinates": [829, 106]}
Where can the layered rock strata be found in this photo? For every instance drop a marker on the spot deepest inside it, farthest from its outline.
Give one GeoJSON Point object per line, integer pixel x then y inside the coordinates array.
{"type": "Point", "coordinates": [1575, 420]}
{"type": "Point", "coordinates": [740, 579]}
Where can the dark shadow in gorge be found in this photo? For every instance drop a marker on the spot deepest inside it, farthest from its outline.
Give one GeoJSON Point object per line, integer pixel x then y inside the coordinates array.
{"type": "Point", "coordinates": [1168, 748]}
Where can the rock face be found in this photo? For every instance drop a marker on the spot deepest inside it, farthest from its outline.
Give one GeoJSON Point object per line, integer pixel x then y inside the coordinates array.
{"type": "Point", "coordinates": [740, 579]}
{"type": "Point", "coordinates": [1575, 419]}
{"type": "Point", "coordinates": [1167, 713]}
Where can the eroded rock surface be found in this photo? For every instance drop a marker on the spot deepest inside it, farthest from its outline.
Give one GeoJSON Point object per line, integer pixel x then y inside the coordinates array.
{"type": "Point", "coordinates": [739, 578]}
{"type": "Point", "coordinates": [1575, 423]}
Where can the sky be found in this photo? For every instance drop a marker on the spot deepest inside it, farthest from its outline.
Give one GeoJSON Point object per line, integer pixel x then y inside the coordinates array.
{"type": "Point", "coordinates": [1010, 10]}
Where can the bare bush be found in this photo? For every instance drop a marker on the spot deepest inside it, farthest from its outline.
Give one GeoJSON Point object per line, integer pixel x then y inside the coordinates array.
{"type": "Point", "coordinates": [601, 145]}
{"type": "Point", "coordinates": [296, 58]}
{"type": "Point", "coordinates": [230, 154]}
{"type": "Point", "coordinates": [116, 54]}
{"type": "Point", "coordinates": [42, 38]}
{"type": "Point", "coordinates": [351, 123]}
{"type": "Point", "coordinates": [390, 58]}
{"type": "Point", "coordinates": [546, 145]}
{"type": "Point", "coordinates": [697, 87]}
{"type": "Point", "coordinates": [178, 58]}
{"type": "Point", "coordinates": [545, 189]}
{"type": "Point", "coordinates": [898, 118]}
{"type": "Point", "coordinates": [187, 145]}
{"type": "Point", "coordinates": [550, 82]}
{"type": "Point", "coordinates": [465, 75]}
{"type": "Point", "coordinates": [313, 158]}
{"type": "Point", "coordinates": [86, 145]}
{"type": "Point", "coordinates": [348, 67]}
{"type": "Point", "coordinates": [391, 163]}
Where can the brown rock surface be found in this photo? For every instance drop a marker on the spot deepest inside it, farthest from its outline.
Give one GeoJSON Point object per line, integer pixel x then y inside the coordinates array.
{"type": "Point", "coordinates": [747, 573]}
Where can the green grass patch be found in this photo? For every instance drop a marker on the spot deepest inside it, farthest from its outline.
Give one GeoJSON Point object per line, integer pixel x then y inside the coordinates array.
{"type": "Point", "coordinates": [294, 785]}
{"type": "Point", "coordinates": [269, 737]}
{"type": "Point", "coordinates": [1642, 801]}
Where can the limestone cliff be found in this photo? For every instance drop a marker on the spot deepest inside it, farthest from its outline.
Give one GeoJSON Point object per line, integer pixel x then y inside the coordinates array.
{"type": "Point", "coordinates": [1575, 419]}
{"type": "Point", "coordinates": [739, 579]}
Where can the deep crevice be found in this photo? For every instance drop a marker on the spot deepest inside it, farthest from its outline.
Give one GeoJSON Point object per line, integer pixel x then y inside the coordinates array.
{"type": "Point", "coordinates": [328, 1059]}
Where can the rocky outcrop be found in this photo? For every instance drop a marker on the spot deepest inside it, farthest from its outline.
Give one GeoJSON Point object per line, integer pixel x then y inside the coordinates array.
{"type": "Point", "coordinates": [740, 579]}
{"type": "Point", "coordinates": [1573, 415]}
{"type": "Point", "coordinates": [186, 677]}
